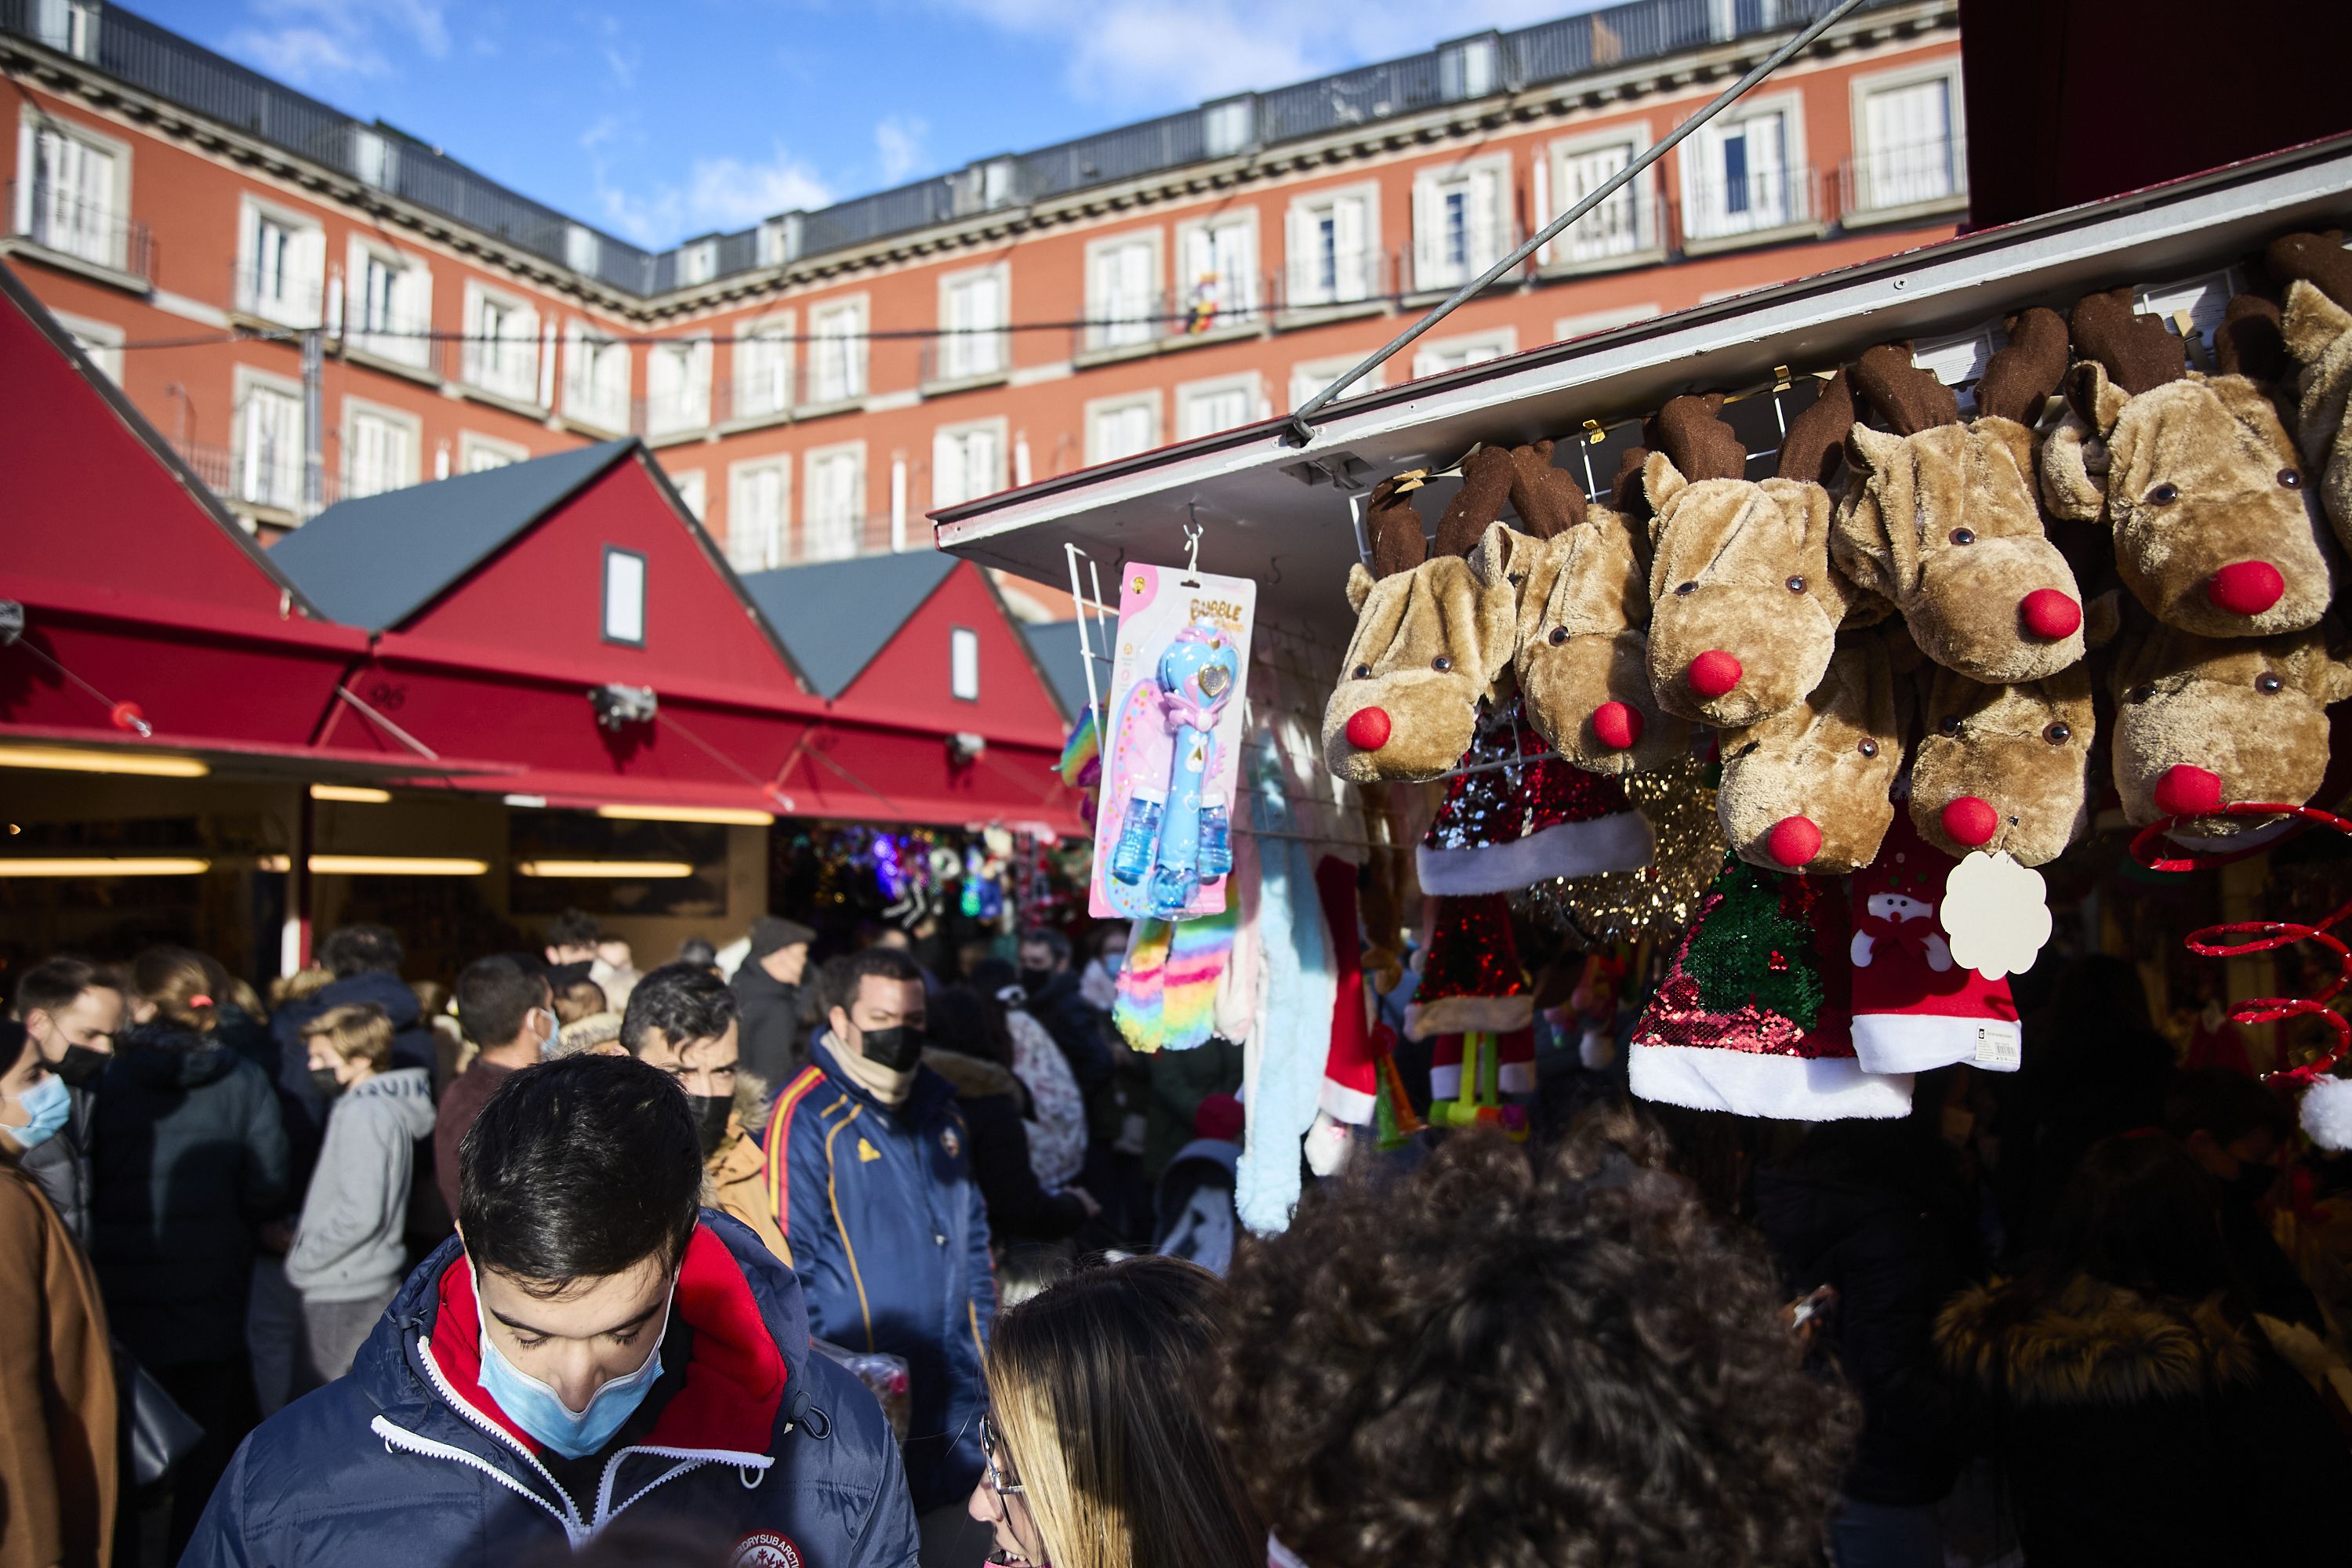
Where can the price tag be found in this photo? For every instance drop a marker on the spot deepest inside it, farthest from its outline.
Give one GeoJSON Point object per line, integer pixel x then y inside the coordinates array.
{"type": "Point", "coordinates": [1996, 913]}
{"type": "Point", "coordinates": [2000, 1047]}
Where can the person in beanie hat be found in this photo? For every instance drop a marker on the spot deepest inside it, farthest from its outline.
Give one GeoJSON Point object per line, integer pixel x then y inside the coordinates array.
{"type": "Point", "coordinates": [768, 997]}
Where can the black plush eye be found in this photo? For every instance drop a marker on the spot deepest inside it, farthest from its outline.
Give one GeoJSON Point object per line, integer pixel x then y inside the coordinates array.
{"type": "Point", "coordinates": [1948, 725]}
{"type": "Point", "coordinates": [2164, 495]}
{"type": "Point", "coordinates": [2059, 734]}
{"type": "Point", "coordinates": [1559, 635]}
{"type": "Point", "coordinates": [2290, 478]}
{"type": "Point", "coordinates": [1964, 536]}
{"type": "Point", "coordinates": [2139, 694]}
{"type": "Point", "coordinates": [1868, 748]}
{"type": "Point", "coordinates": [2269, 685]}
{"type": "Point", "coordinates": [1440, 664]}
{"type": "Point", "coordinates": [1363, 672]}
{"type": "Point", "coordinates": [1683, 588]}
{"type": "Point", "coordinates": [1795, 585]}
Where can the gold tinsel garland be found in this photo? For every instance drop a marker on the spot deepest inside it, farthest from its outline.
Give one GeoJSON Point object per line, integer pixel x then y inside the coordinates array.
{"type": "Point", "coordinates": [1620, 906]}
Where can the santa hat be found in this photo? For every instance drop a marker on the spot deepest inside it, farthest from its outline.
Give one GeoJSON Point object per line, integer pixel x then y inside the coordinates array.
{"type": "Point", "coordinates": [1471, 977]}
{"type": "Point", "coordinates": [1915, 1006]}
{"type": "Point", "coordinates": [1351, 1077]}
{"type": "Point", "coordinates": [1755, 1017]}
{"type": "Point", "coordinates": [1503, 829]}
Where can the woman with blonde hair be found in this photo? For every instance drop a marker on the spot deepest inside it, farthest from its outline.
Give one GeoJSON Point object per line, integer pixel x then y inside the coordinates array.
{"type": "Point", "coordinates": [1100, 1446]}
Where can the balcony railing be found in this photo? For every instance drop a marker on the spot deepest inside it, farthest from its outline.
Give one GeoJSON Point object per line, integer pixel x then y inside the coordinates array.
{"type": "Point", "coordinates": [1760, 203]}
{"type": "Point", "coordinates": [759, 391]}
{"type": "Point", "coordinates": [1898, 179]}
{"type": "Point", "coordinates": [1451, 258]}
{"type": "Point", "coordinates": [271, 478]}
{"type": "Point", "coordinates": [1336, 279]}
{"type": "Point", "coordinates": [675, 413]}
{"type": "Point", "coordinates": [87, 231]}
{"type": "Point", "coordinates": [503, 367]}
{"type": "Point", "coordinates": [1623, 227]}
{"type": "Point", "coordinates": [956, 357]}
{"type": "Point", "coordinates": [834, 538]}
{"type": "Point", "coordinates": [273, 296]}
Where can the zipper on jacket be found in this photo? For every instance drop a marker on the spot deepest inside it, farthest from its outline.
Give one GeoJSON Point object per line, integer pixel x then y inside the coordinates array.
{"type": "Point", "coordinates": [576, 1528]}
{"type": "Point", "coordinates": [401, 1437]}
{"type": "Point", "coordinates": [693, 1459]}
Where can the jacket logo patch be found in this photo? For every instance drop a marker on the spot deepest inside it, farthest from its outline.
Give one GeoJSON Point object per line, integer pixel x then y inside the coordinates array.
{"type": "Point", "coordinates": [765, 1548]}
{"type": "Point", "coordinates": [867, 1152]}
{"type": "Point", "coordinates": [951, 1143]}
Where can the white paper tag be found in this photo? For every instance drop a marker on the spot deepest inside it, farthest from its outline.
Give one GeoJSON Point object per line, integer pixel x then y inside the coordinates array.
{"type": "Point", "coordinates": [1999, 1047]}
{"type": "Point", "coordinates": [1996, 912]}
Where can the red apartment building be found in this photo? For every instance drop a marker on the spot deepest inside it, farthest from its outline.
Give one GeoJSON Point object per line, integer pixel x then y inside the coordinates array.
{"type": "Point", "coordinates": [351, 311]}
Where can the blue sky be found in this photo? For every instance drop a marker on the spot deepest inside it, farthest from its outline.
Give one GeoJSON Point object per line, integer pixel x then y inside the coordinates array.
{"type": "Point", "coordinates": [660, 122]}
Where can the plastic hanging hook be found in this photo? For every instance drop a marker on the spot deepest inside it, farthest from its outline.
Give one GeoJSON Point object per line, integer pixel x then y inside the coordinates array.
{"type": "Point", "coordinates": [1191, 546]}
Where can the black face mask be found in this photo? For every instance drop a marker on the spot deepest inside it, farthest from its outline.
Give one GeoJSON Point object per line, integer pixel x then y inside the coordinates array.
{"type": "Point", "coordinates": [80, 1067]}
{"type": "Point", "coordinates": [897, 1048]}
{"type": "Point", "coordinates": [1036, 980]}
{"type": "Point", "coordinates": [324, 1080]}
{"type": "Point", "coordinates": [711, 1114]}
{"type": "Point", "coordinates": [2254, 1181]}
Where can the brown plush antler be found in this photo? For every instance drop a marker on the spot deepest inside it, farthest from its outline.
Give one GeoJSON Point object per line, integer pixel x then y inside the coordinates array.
{"type": "Point", "coordinates": [2319, 259]}
{"type": "Point", "coordinates": [1486, 476]}
{"type": "Point", "coordinates": [1690, 431]}
{"type": "Point", "coordinates": [1909, 399]}
{"type": "Point", "coordinates": [1626, 496]}
{"type": "Point", "coordinates": [2019, 378]}
{"type": "Point", "coordinates": [1393, 525]}
{"type": "Point", "coordinates": [2251, 339]}
{"type": "Point", "coordinates": [1546, 497]}
{"type": "Point", "coordinates": [1815, 443]}
{"type": "Point", "coordinates": [2137, 351]}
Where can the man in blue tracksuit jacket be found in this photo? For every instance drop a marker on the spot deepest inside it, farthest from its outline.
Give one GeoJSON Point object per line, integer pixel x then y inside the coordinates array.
{"type": "Point", "coordinates": [594, 1346]}
{"type": "Point", "coordinates": [870, 1170]}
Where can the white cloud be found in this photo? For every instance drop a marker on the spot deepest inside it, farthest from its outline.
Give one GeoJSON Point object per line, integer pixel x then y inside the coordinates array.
{"type": "Point", "coordinates": [724, 193]}
{"type": "Point", "coordinates": [899, 146]}
{"type": "Point", "coordinates": [310, 41]}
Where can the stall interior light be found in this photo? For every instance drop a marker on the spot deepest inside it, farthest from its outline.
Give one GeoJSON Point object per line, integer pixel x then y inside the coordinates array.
{"type": "Point", "coordinates": [66, 759]}
{"type": "Point", "coordinates": [358, 794]}
{"type": "Point", "coordinates": [381, 865]}
{"type": "Point", "coordinates": [739, 817]}
{"type": "Point", "coordinates": [630, 871]}
{"type": "Point", "coordinates": [103, 866]}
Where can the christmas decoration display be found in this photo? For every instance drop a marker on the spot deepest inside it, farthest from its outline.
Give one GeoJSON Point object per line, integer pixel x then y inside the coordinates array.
{"type": "Point", "coordinates": [2318, 334]}
{"type": "Point", "coordinates": [1917, 1004]}
{"type": "Point", "coordinates": [1163, 835]}
{"type": "Point", "coordinates": [2003, 767]}
{"type": "Point", "coordinates": [1471, 977]}
{"type": "Point", "coordinates": [1515, 814]}
{"type": "Point", "coordinates": [1620, 906]}
{"type": "Point", "coordinates": [1350, 1078]}
{"type": "Point", "coordinates": [1808, 789]}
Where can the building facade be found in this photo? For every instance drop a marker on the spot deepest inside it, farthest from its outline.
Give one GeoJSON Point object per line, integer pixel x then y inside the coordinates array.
{"type": "Point", "coordinates": [314, 308]}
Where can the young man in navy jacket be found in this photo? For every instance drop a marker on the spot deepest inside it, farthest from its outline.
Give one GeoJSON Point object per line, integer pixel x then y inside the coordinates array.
{"type": "Point", "coordinates": [870, 1169]}
{"type": "Point", "coordinates": [592, 1343]}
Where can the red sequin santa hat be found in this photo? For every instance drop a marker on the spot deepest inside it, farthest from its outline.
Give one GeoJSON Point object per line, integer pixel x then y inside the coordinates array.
{"type": "Point", "coordinates": [1505, 827]}
{"type": "Point", "coordinates": [1471, 977]}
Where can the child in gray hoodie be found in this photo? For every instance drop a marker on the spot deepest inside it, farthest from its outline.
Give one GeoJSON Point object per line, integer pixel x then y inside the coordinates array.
{"type": "Point", "coordinates": [349, 1257]}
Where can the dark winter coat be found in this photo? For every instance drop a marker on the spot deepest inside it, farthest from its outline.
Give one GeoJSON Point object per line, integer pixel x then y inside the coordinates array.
{"type": "Point", "coordinates": [187, 1157]}
{"type": "Point", "coordinates": [408, 1460]}
{"type": "Point", "coordinates": [770, 1027]}
{"type": "Point", "coordinates": [990, 1098]}
{"type": "Point", "coordinates": [306, 1111]}
{"type": "Point", "coordinates": [888, 1233]}
{"type": "Point", "coordinates": [2132, 1429]}
{"type": "Point", "coordinates": [1077, 1027]}
{"type": "Point", "coordinates": [61, 1166]}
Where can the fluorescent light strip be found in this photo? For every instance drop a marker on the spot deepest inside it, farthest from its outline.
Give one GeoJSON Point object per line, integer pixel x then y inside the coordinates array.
{"type": "Point", "coordinates": [358, 794]}
{"type": "Point", "coordinates": [103, 866]}
{"type": "Point", "coordinates": [64, 759]}
{"type": "Point", "coordinates": [632, 870]}
{"type": "Point", "coordinates": [380, 865]}
{"type": "Point", "coordinates": [739, 817]}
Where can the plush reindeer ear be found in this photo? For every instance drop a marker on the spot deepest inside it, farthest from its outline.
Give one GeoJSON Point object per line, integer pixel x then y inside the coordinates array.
{"type": "Point", "coordinates": [1661, 482]}
{"type": "Point", "coordinates": [2252, 339]}
{"type": "Point", "coordinates": [2096, 399]}
{"type": "Point", "coordinates": [1871, 451]}
{"type": "Point", "coordinates": [2319, 259]}
{"type": "Point", "coordinates": [1909, 399]}
{"type": "Point", "coordinates": [1360, 588]}
{"type": "Point", "coordinates": [1498, 548]}
{"type": "Point", "coordinates": [2018, 379]}
{"type": "Point", "coordinates": [1814, 444]}
{"type": "Point", "coordinates": [2312, 320]}
{"type": "Point", "coordinates": [2137, 352]}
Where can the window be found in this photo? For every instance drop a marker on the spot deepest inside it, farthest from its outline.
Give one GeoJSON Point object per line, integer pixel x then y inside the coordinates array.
{"type": "Point", "coordinates": [101, 342]}
{"type": "Point", "coordinates": [1307, 380]}
{"type": "Point", "coordinates": [698, 262]}
{"type": "Point", "coordinates": [379, 450]}
{"type": "Point", "coordinates": [1907, 153]}
{"type": "Point", "coordinates": [963, 664]}
{"type": "Point", "coordinates": [967, 462]}
{"type": "Point", "coordinates": [624, 596]}
{"type": "Point", "coordinates": [1122, 427]}
{"type": "Point", "coordinates": [1436, 357]}
{"type": "Point", "coordinates": [282, 276]}
{"type": "Point", "coordinates": [390, 305]}
{"type": "Point", "coordinates": [596, 379]}
{"type": "Point", "coordinates": [690, 489]}
{"type": "Point", "coordinates": [69, 27]}
{"type": "Point", "coordinates": [1217, 267]}
{"type": "Point", "coordinates": [678, 386]}
{"type": "Point", "coordinates": [267, 461]}
{"type": "Point", "coordinates": [779, 240]}
{"type": "Point", "coordinates": [73, 193]}
{"type": "Point", "coordinates": [1206, 407]}
{"type": "Point", "coordinates": [1738, 177]}
{"type": "Point", "coordinates": [1617, 227]}
{"type": "Point", "coordinates": [480, 454]}
{"type": "Point", "coordinates": [1460, 223]}
{"type": "Point", "coordinates": [1229, 127]}
{"type": "Point", "coordinates": [972, 312]}
{"type": "Point", "coordinates": [1334, 255]}
{"type": "Point", "coordinates": [763, 369]}
{"type": "Point", "coordinates": [834, 522]}
{"type": "Point", "coordinates": [1123, 292]}
{"type": "Point", "coordinates": [757, 512]}
{"type": "Point", "coordinates": [838, 351]}
{"type": "Point", "coordinates": [583, 252]}
{"type": "Point", "coordinates": [502, 350]}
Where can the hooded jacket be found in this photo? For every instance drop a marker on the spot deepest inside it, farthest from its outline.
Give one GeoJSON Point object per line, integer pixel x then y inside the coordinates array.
{"type": "Point", "coordinates": [306, 1110]}
{"type": "Point", "coordinates": [187, 1157]}
{"type": "Point", "coordinates": [1062, 1007]}
{"type": "Point", "coordinates": [408, 1460]}
{"type": "Point", "coordinates": [2136, 1429]}
{"type": "Point", "coordinates": [886, 1230]}
{"type": "Point", "coordinates": [349, 1245]}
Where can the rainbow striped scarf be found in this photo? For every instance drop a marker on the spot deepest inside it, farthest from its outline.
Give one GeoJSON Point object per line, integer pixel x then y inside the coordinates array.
{"type": "Point", "coordinates": [1168, 987]}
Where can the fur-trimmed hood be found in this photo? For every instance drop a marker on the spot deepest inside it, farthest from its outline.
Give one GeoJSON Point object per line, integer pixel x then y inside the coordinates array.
{"type": "Point", "coordinates": [2092, 1343]}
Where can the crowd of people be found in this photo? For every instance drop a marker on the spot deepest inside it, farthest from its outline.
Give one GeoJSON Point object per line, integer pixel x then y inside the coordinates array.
{"type": "Point", "coordinates": [903, 1255]}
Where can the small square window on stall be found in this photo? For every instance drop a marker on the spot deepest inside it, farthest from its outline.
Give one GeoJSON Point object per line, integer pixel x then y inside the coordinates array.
{"type": "Point", "coordinates": [624, 596]}
{"type": "Point", "coordinates": [963, 664]}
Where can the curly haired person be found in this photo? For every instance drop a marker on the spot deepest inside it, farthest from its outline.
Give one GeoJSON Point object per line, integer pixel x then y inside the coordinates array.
{"type": "Point", "coordinates": [1507, 1360]}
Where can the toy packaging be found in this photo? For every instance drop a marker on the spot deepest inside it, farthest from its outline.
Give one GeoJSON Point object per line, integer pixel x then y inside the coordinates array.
{"type": "Point", "coordinates": [1172, 750]}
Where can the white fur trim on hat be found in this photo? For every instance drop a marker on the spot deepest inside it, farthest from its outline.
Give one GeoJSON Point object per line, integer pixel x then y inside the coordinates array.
{"type": "Point", "coordinates": [1918, 1042]}
{"type": "Point", "coordinates": [2328, 1113]}
{"type": "Point", "coordinates": [1752, 1083]}
{"type": "Point", "coordinates": [1618, 842]}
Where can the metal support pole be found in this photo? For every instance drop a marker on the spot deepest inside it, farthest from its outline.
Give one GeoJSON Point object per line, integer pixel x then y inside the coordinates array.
{"type": "Point", "coordinates": [314, 424]}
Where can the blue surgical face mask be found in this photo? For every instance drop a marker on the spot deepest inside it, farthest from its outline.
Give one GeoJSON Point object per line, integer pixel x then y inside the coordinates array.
{"type": "Point", "coordinates": [48, 1104]}
{"type": "Point", "coordinates": [541, 1411]}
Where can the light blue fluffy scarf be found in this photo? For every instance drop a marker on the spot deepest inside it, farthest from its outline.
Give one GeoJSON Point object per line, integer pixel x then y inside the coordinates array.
{"type": "Point", "coordinates": [1295, 1037]}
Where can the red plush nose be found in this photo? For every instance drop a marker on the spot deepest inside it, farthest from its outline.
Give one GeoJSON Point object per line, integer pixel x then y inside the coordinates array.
{"type": "Point", "coordinates": [2047, 613]}
{"type": "Point", "coordinates": [1617, 726]}
{"type": "Point", "coordinates": [1368, 729]}
{"type": "Point", "coordinates": [1970, 821]}
{"type": "Point", "coordinates": [2245, 588]}
{"type": "Point", "coordinates": [1793, 841]}
{"type": "Point", "coordinates": [2184, 790]}
{"type": "Point", "coordinates": [1713, 673]}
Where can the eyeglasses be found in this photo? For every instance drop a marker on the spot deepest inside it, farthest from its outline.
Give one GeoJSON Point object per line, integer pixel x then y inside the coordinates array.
{"type": "Point", "coordinates": [988, 1449]}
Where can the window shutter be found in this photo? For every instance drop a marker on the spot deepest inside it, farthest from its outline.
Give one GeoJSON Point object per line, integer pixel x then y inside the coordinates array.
{"type": "Point", "coordinates": [1487, 220]}
{"type": "Point", "coordinates": [947, 470]}
{"type": "Point", "coordinates": [1767, 170]}
{"type": "Point", "coordinates": [1351, 245]}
